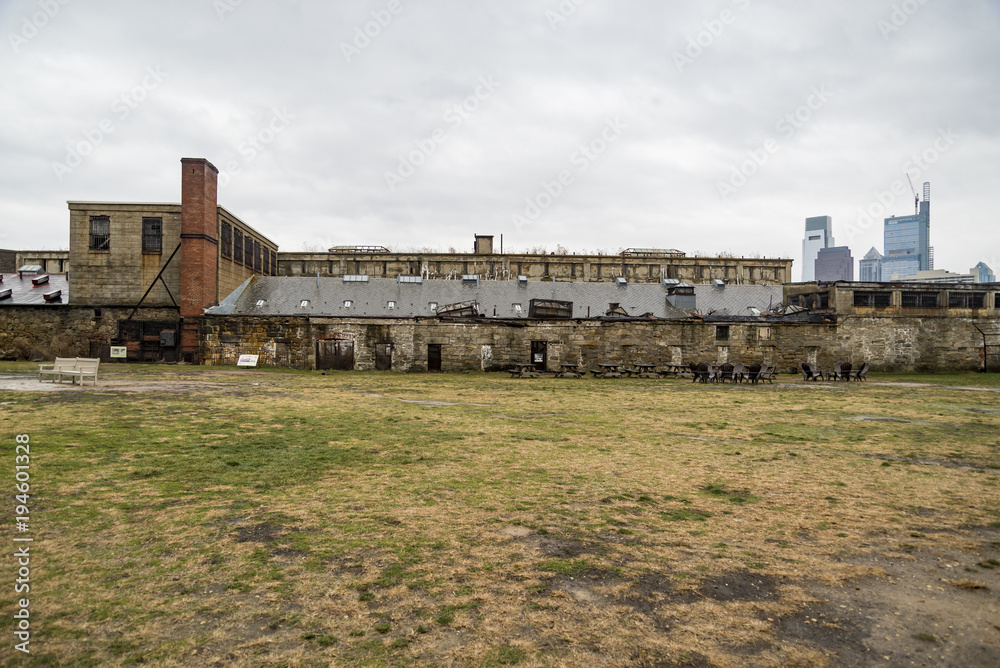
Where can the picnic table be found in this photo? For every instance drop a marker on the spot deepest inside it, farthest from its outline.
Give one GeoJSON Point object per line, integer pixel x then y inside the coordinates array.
{"type": "Point", "coordinates": [675, 369]}
{"type": "Point", "coordinates": [524, 371]}
{"type": "Point", "coordinates": [570, 371]}
{"type": "Point", "coordinates": [609, 371]}
{"type": "Point", "coordinates": [646, 371]}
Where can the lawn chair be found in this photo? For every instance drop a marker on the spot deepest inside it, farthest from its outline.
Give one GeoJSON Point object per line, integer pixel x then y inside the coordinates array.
{"type": "Point", "coordinates": [739, 373]}
{"type": "Point", "coordinates": [861, 373]}
{"type": "Point", "coordinates": [767, 372]}
{"type": "Point", "coordinates": [809, 372]}
{"type": "Point", "coordinates": [725, 373]}
{"type": "Point", "coordinates": [753, 373]}
{"type": "Point", "coordinates": [841, 371]}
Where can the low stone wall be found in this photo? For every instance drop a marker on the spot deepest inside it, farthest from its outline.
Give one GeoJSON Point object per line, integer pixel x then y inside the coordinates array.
{"type": "Point", "coordinates": [44, 332]}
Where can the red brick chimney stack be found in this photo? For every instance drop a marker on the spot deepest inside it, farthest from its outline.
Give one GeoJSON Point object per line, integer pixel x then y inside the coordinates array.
{"type": "Point", "coordinates": [199, 248]}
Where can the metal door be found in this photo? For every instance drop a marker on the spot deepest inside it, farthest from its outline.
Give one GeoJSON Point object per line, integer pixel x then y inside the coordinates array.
{"type": "Point", "coordinates": [383, 356]}
{"type": "Point", "coordinates": [539, 354]}
{"type": "Point", "coordinates": [335, 355]}
{"type": "Point", "coordinates": [434, 357]}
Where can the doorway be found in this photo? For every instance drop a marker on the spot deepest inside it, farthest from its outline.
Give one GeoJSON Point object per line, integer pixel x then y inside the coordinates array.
{"type": "Point", "coordinates": [335, 355]}
{"type": "Point", "coordinates": [433, 356]}
{"type": "Point", "coordinates": [539, 354]}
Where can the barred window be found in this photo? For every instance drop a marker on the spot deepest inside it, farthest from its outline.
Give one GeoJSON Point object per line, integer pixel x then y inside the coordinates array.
{"type": "Point", "coordinates": [920, 300]}
{"type": "Point", "coordinates": [227, 240]}
{"type": "Point", "coordinates": [237, 246]}
{"type": "Point", "coordinates": [267, 262]}
{"type": "Point", "coordinates": [256, 256]}
{"type": "Point", "coordinates": [248, 252]}
{"type": "Point", "coordinates": [996, 300]}
{"type": "Point", "coordinates": [152, 235]}
{"type": "Point", "coordinates": [274, 264]}
{"type": "Point", "coordinates": [722, 332]}
{"type": "Point", "coordinates": [873, 299]}
{"type": "Point", "coordinates": [966, 300]}
{"type": "Point", "coordinates": [100, 233]}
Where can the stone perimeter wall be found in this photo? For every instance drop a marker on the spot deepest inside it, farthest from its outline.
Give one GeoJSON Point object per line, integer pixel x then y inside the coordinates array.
{"type": "Point", "coordinates": [33, 332]}
{"type": "Point", "coordinates": [944, 344]}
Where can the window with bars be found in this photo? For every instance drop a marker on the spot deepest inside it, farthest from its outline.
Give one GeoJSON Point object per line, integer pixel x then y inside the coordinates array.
{"type": "Point", "coordinates": [267, 262]}
{"type": "Point", "coordinates": [873, 299]}
{"type": "Point", "coordinates": [996, 300]}
{"type": "Point", "coordinates": [248, 252]}
{"type": "Point", "coordinates": [100, 233]}
{"type": "Point", "coordinates": [152, 235]}
{"type": "Point", "coordinates": [274, 264]}
{"type": "Point", "coordinates": [966, 300]}
{"type": "Point", "coordinates": [256, 257]}
{"type": "Point", "coordinates": [227, 240]}
{"type": "Point", "coordinates": [722, 332]}
{"type": "Point", "coordinates": [920, 300]}
{"type": "Point", "coordinates": [238, 246]}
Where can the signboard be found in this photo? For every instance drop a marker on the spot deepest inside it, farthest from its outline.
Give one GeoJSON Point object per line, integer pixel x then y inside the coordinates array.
{"type": "Point", "coordinates": [119, 352]}
{"type": "Point", "coordinates": [247, 360]}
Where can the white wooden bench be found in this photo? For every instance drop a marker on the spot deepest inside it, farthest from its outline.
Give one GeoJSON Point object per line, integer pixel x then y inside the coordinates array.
{"type": "Point", "coordinates": [71, 368]}
{"type": "Point", "coordinates": [55, 369]}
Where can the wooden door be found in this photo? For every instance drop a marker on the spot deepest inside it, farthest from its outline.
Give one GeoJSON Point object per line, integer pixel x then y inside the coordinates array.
{"type": "Point", "coordinates": [335, 355]}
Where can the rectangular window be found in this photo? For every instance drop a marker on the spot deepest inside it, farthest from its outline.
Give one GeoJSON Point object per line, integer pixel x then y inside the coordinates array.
{"type": "Point", "coordinates": [100, 233]}
{"type": "Point", "coordinates": [152, 235]}
{"type": "Point", "coordinates": [920, 300]}
{"type": "Point", "coordinates": [274, 264]}
{"type": "Point", "coordinates": [256, 257]}
{"type": "Point", "coordinates": [873, 299]}
{"type": "Point", "coordinates": [248, 252]}
{"type": "Point", "coordinates": [996, 300]}
{"type": "Point", "coordinates": [227, 240]}
{"type": "Point", "coordinates": [966, 300]}
{"type": "Point", "coordinates": [763, 333]}
{"type": "Point", "coordinates": [722, 332]}
{"type": "Point", "coordinates": [238, 246]}
{"type": "Point", "coordinates": [267, 262]}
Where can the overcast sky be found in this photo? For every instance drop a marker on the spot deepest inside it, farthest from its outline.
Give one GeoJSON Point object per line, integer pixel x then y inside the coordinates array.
{"type": "Point", "coordinates": [591, 124]}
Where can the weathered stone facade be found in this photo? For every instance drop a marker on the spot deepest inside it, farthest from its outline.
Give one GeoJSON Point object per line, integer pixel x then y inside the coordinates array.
{"type": "Point", "coordinates": [29, 332]}
{"type": "Point", "coordinates": [538, 267]}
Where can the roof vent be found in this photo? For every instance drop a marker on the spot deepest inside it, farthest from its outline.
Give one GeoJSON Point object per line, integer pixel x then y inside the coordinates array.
{"type": "Point", "coordinates": [401, 279]}
{"type": "Point", "coordinates": [470, 279]}
{"type": "Point", "coordinates": [53, 296]}
{"type": "Point", "coordinates": [718, 282]}
{"type": "Point", "coordinates": [355, 278]}
{"type": "Point", "coordinates": [621, 281]}
{"type": "Point", "coordinates": [30, 269]}
{"type": "Point", "coordinates": [522, 280]}
{"type": "Point", "coordinates": [670, 282]}
{"type": "Point", "coordinates": [39, 280]}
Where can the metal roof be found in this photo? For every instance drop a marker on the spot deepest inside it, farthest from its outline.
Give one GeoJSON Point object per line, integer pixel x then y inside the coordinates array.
{"type": "Point", "coordinates": [284, 295]}
{"type": "Point", "coordinates": [23, 291]}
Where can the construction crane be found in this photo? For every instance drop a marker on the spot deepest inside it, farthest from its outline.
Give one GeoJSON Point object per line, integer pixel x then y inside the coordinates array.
{"type": "Point", "coordinates": [916, 197]}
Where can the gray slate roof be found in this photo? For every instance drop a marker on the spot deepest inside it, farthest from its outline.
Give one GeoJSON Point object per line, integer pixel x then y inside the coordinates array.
{"type": "Point", "coordinates": [284, 295]}
{"type": "Point", "coordinates": [23, 292]}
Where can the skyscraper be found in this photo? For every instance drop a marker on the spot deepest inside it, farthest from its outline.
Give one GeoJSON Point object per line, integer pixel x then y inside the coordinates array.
{"type": "Point", "coordinates": [871, 267]}
{"type": "Point", "coordinates": [835, 264]}
{"type": "Point", "coordinates": [907, 242]}
{"type": "Point", "coordinates": [983, 273]}
{"type": "Point", "coordinates": [819, 235]}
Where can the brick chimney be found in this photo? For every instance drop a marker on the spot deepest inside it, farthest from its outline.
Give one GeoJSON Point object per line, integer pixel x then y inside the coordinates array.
{"type": "Point", "coordinates": [199, 249]}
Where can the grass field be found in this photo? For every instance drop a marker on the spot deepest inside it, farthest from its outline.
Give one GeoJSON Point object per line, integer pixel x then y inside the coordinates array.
{"type": "Point", "coordinates": [198, 516]}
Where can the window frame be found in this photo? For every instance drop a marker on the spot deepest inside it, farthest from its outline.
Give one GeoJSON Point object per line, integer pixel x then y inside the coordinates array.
{"type": "Point", "coordinates": [152, 234]}
{"type": "Point", "coordinates": [226, 241]}
{"type": "Point", "coordinates": [237, 245]}
{"type": "Point", "coordinates": [722, 332]}
{"type": "Point", "coordinates": [99, 242]}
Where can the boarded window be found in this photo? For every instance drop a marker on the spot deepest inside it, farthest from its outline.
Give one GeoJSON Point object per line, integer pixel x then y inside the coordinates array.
{"type": "Point", "coordinates": [238, 246]}
{"type": "Point", "coordinates": [152, 235]}
{"type": "Point", "coordinates": [920, 300]}
{"type": "Point", "coordinates": [763, 333]}
{"type": "Point", "coordinates": [722, 332]}
{"type": "Point", "coordinates": [966, 300]}
{"type": "Point", "coordinates": [227, 240]}
{"type": "Point", "coordinates": [873, 299]}
{"type": "Point", "coordinates": [100, 233]}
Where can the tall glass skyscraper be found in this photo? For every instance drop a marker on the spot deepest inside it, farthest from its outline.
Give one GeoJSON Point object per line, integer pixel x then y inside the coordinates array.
{"type": "Point", "coordinates": [819, 235]}
{"type": "Point", "coordinates": [908, 242]}
{"type": "Point", "coordinates": [871, 267]}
